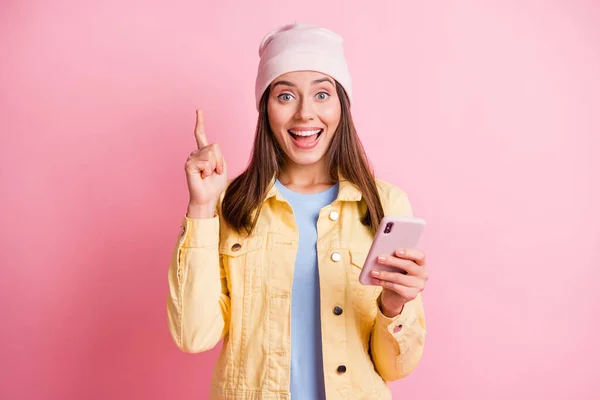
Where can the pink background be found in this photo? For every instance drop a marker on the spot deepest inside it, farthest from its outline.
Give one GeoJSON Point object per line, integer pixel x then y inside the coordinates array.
{"type": "Point", "coordinates": [484, 112]}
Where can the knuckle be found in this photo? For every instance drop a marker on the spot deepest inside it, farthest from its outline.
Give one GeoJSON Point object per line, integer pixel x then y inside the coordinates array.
{"type": "Point", "coordinates": [405, 266]}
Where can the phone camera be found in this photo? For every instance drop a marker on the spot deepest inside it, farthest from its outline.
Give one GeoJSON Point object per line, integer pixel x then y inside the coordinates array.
{"type": "Point", "coordinates": [388, 227]}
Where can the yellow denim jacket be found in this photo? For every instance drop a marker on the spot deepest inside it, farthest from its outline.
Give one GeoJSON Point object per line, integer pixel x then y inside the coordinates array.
{"type": "Point", "coordinates": [226, 285]}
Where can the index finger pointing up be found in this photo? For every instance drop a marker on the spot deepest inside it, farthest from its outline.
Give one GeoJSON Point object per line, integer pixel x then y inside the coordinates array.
{"type": "Point", "coordinates": [199, 130]}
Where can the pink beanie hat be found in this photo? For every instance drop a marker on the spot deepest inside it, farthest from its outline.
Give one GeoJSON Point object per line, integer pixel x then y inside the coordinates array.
{"type": "Point", "coordinates": [301, 47]}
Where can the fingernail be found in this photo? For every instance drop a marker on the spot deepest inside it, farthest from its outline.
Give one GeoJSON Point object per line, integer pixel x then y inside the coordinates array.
{"type": "Point", "coordinates": [400, 252]}
{"type": "Point", "coordinates": [375, 273]}
{"type": "Point", "coordinates": [381, 259]}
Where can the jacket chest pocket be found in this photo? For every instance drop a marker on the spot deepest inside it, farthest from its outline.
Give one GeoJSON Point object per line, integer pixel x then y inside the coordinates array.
{"type": "Point", "coordinates": [244, 261]}
{"type": "Point", "coordinates": [362, 297]}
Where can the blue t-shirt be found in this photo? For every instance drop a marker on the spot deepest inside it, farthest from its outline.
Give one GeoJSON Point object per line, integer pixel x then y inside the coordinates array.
{"type": "Point", "coordinates": [307, 380]}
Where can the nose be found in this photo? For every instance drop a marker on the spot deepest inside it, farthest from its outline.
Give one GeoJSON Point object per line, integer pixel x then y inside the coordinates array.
{"type": "Point", "coordinates": [305, 110]}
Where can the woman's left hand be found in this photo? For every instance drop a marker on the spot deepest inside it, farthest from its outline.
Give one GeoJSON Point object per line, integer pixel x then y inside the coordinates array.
{"type": "Point", "coordinates": [398, 287]}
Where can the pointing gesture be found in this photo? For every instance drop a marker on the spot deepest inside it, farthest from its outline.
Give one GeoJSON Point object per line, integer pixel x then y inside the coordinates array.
{"type": "Point", "coordinates": [199, 130]}
{"type": "Point", "coordinates": [206, 173]}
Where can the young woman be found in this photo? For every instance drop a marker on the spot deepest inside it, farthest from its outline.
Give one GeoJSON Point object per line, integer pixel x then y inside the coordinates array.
{"type": "Point", "coordinates": [270, 261]}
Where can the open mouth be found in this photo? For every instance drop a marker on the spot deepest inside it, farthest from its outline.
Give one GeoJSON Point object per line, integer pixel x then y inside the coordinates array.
{"type": "Point", "coordinates": [306, 137]}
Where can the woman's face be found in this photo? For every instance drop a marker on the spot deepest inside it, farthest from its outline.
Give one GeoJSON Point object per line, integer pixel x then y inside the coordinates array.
{"type": "Point", "coordinates": [304, 112]}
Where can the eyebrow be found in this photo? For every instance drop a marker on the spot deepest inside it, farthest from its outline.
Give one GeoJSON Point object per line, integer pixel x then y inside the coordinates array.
{"type": "Point", "coordinates": [292, 84]}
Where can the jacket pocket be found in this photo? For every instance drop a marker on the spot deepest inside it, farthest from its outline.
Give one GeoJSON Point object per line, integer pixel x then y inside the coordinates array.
{"type": "Point", "coordinates": [362, 297]}
{"type": "Point", "coordinates": [243, 259]}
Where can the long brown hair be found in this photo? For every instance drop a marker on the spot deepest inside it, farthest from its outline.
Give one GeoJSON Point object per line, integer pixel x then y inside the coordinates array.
{"type": "Point", "coordinates": [346, 156]}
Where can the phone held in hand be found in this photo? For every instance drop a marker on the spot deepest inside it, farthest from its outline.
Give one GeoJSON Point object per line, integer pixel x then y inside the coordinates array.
{"type": "Point", "coordinates": [394, 233]}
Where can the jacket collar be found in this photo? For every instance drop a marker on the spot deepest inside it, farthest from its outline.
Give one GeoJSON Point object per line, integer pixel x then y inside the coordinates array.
{"type": "Point", "coordinates": [347, 191]}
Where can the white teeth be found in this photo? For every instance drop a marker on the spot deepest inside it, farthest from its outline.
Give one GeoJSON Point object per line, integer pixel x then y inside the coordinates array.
{"type": "Point", "coordinates": [306, 133]}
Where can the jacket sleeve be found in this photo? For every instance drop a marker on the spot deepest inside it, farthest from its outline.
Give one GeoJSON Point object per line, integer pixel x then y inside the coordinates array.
{"type": "Point", "coordinates": [198, 304]}
{"type": "Point", "coordinates": [397, 343]}
{"type": "Point", "coordinates": [396, 354]}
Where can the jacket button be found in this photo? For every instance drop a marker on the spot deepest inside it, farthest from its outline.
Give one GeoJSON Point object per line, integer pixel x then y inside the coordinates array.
{"type": "Point", "coordinates": [334, 215]}
{"type": "Point", "coordinates": [337, 310]}
{"type": "Point", "coordinates": [236, 247]}
{"type": "Point", "coordinates": [336, 257]}
{"type": "Point", "coordinates": [341, 369]}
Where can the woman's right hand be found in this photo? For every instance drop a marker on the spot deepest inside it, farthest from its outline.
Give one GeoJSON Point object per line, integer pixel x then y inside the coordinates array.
{"type": "Point", "coordinates": [206, 174]}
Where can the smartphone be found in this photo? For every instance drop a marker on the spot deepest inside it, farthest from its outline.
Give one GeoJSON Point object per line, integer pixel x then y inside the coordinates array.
{"type": "Point", "coordinates": [394, 233]}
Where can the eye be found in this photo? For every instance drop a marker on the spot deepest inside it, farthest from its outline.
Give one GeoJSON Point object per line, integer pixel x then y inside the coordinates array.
{"type": "Point", "coordinates": [322, 95]}
{"type": "Point", "coordinates": [285, 97]}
